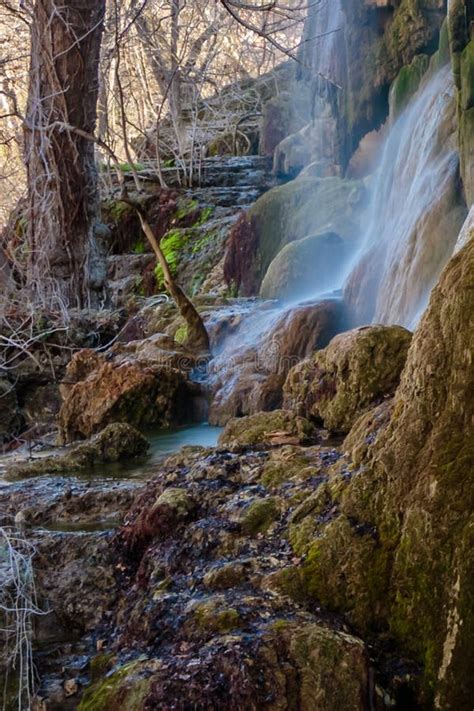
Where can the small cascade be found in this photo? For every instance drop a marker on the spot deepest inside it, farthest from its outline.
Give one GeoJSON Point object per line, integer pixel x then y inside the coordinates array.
{"type": "Point", "coordinates": [415, 214]}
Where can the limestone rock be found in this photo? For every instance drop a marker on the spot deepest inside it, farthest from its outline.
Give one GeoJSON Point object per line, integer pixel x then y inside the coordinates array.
{"type": "Point", "coordinates": [399, 552]}
{"type": "Point", "coordinates": [101, 391]}
{"type": "Point", "coordinates": [305, 267]}
{"type": "Point", "coordinates": [357, 370]}
{"type": "Point", "coordinates": [250, 379]}
{"type": "Point", "coordinates": [277, 427]}
{"type": "Point", "coordinates": [116, 442]}
{"type": "Point", "coordinates": [303, 207]}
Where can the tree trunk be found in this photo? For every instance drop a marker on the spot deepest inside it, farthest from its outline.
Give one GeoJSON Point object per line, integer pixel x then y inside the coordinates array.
{"type": "Point", "coordinates": [65, 262]}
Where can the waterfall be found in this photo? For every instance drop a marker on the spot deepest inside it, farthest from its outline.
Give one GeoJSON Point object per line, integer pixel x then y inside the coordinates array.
{"type": "Point", "coordinates": [415, 211]}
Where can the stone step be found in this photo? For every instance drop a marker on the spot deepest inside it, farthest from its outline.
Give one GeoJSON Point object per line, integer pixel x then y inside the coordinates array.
{"type": "Point", "coordinates": [216, 172]}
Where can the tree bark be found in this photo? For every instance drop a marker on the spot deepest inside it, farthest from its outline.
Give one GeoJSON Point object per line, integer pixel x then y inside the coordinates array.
{"type": "Point", "coordinates": [66, 267]}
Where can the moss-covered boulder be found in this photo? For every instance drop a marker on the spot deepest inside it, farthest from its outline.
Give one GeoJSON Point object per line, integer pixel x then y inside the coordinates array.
{"type": "Point", "coordinates": [356, 371]}
{"type": "Point", "coordinates": [305, 267]}
{"type": "Point", "coordinates": [290, 212]}
{"type": "Point", "coordinates": [277, 427]}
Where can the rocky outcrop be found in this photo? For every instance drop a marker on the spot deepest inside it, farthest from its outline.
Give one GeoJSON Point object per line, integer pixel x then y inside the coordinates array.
{"type": "Point", "coordinates": [277, 427]}
{"type": "Point", "coordinates": [402, 542]}
{"type": "Point", "coordinates": [461, 40]}
{"type": "Point", "coordinates": [234, 639]}
{"type": "Point", "coordinates": [100, 390]}
{"type": "Point", "coordinates": [357, 370]}
{"type": "Point", "coordinates": [355, 49]}
{"type": "Point", "coordinates": [116, 442]}
{"type": "Point", "coordinates": [304, 207]}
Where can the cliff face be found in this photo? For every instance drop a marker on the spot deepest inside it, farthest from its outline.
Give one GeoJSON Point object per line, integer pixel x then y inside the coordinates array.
{"type": "Point", "coordinates": [402, 545]}
{"type": "Point", "coordinates": [461, 38]}
{"type": "Point", "coordinates": [369, 41]}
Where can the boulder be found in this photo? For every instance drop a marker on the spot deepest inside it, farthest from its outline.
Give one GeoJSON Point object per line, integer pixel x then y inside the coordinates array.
{"type": "Point", "coordinates": [306, 206]}
{"type": "Point", "coordinates": [277, 427]}
{"type": "Point", "coordinates": [306, 267]}
{"type": "Point", "coordinates": [99, 391]}
{"type": "Point", "coordinates": [357, 370]}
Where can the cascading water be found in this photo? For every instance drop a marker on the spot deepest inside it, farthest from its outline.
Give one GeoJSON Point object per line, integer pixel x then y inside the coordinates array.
{"type": "Point", "coordinates": [415, 213]}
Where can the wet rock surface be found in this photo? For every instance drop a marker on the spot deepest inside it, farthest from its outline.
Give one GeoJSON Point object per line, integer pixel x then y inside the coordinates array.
{"type": "Point", "coordinates": [216, 628]}
{"type": "Point", "coordinates": [248, 375]}
{"type": "Point", "coordinates": [116, 442]}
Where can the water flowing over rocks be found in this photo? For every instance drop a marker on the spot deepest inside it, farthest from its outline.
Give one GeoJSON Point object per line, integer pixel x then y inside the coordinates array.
{"type": "Point", "coordinates": [320, 556]}
{"type": "Point", "coordinates": [248, 376]}
{"type": "Point", "coordinates": [417, 211]}
{"type": "Point", "coordinates": [304, 207]}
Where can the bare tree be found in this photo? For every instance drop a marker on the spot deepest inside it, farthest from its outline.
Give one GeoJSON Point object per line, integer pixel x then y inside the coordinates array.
{"type": "Point", "coordinates": [64, 266]}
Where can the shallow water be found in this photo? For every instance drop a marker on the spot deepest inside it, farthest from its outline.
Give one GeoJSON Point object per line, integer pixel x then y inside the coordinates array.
{"type": "Point", "coordinates": [163, 443]}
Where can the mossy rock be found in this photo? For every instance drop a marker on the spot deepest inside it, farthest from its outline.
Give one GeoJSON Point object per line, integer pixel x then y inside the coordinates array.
{"type": "Point", "coordinates": [305, 267]}
{"type": "Point", "coordinates": [288, 463]}
{"type": "Point", "coordinates": [332, 668]}
{"type": "Point", "coordinates": [277, 427]}
{"type": "Point", "coordinates": [406, 84]}
{"type": "Point", "coordinates": [116, 442]}
{"type": "Point", "coordinates": [221, 577]}
{"type": "Point", "coordinates": [259, 516]}
{"type": "Point", "coordinates": [126, 688]}
{"type": "Point", "coordinates": [347, 570]}
{"type": "Point", "coordinates": [302, 207]}
{"type": "Point", "coordinates": [357, 370]}
{"type": "Point", "coordinates": [215, 617]}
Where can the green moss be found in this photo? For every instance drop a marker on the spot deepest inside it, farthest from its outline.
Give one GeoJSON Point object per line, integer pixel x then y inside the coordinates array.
{"type": "Point", "coordinates": [347, 571]}
{"type": "Point", "coordinates": [100, 664]}
{"type": "Point", "coordinates": [288, 581]}
{"type": "Point", "coordinates": [128, 167]}
{"type": "Point", "coordinates": [186, 207]}
{"type": "Point", "coordinates": [122, 689]}
{"type": "Point", "coordinates": [181, 335]}
{"type": "Point", "coordinates": [259, 516]}
{"type": "Point", "coordinates": [210, 617]}
{"type": "Point", "coordinates": [407, 82]}
{"type": "Point", "coordinates": [117, 209]}
{"type": "Point", "coordinates": [139, 247]}
{"type": "Point", "coordinates": [171, 245]}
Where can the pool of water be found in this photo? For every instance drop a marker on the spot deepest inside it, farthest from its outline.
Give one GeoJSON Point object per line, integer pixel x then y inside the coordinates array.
{"type": "Point", "coordinates": [165, 442]}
